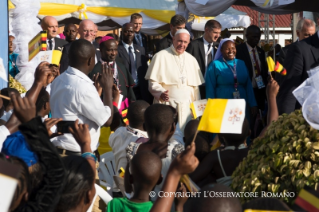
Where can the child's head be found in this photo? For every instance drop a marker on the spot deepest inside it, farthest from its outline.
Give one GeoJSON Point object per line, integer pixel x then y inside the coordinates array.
{"type": "Point", "coordinates": [190, 129]}
{"type": "Point", "coordinates": [208, 202]}
{"type": "Point", "coordinates": [145, 170]}
{"type": "Point", "coordinates": [6, 92]}
{"type": "Point", "coordinates": [266, 204]}
{"type": "Point", "coordinates": [135, 113]}
{"type": "Point", "coordinates": [22, 190]}
{"type": "Point", "coordinates": [79, 189]}
{"type": "Point", "coordinates": [43, 103]}
{"type": "Point", "coordinates": [236, 139]}
{"type": "Point", "coordinates": [201, 144]}
{"type": "Point", "coordinates": [160, 121]}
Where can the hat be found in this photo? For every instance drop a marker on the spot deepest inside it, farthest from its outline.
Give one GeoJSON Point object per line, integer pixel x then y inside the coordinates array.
{"type": "Point", "coordinates": [105, 38]}
{"type": "Point", "coordinates": [16, 145]}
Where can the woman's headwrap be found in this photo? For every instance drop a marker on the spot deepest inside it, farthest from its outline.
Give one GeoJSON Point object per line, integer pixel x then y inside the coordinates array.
{"type": "Point", "coordinates": [218, 54]}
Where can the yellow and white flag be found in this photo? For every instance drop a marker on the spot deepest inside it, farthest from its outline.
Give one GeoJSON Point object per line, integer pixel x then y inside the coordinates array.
{"type": "Point", "coordinates": [223, 116]}
{"type": "Point", "coordinates": [198, 107]}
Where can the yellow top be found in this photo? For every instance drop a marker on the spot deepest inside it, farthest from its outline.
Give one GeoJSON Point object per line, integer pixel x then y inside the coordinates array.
{"type": "Point", "coordinates": [104, 140]}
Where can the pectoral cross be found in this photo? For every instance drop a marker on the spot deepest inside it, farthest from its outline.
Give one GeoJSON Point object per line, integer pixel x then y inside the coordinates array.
{"type": "Point", "coordinates": [183, 78]}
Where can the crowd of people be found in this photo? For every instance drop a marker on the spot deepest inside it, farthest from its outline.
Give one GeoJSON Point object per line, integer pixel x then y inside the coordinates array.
{"type": "Point", "coordinates": [110, 99]}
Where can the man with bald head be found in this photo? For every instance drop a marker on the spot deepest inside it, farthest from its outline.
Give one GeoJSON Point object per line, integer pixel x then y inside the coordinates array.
{"type": "Point", "coordinates": [121, 75]}
{"type": "Point", "coordinates": [50, 24]}
{"type": "Point", "coordinates": [86, 31]}
{"type": "Point", "coordinates": [301, 57]}
{"type": "Point", "coordinates": [70, 32]}
{"type": "Point", "coordinates": [135, 61]}
{"type": "Point", "coordinates": [74, 97]}
{"type": "Point", "coordinates": [174, 76]}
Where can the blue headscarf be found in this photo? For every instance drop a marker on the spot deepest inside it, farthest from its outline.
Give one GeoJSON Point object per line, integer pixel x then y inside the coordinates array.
{"type": "Point", "coordinates": [16, 145]}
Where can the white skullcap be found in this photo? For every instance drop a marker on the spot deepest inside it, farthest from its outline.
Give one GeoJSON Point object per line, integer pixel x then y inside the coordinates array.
{"type": "Point", "coordinates": [180, 31]}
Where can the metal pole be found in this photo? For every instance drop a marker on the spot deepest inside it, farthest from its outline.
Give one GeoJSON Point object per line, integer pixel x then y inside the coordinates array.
{"type": "Point", "coordinates": [274, 33]}
{"type": "Point", "coordinates": [295, 20]}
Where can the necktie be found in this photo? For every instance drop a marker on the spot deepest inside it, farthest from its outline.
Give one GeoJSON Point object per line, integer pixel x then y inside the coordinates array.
{"type": "Point", "coordinates": [138, 36]}
{"type": "Point", "coordinates": [50, 44]}
{"type": "Point", "coordinates": [257, 64]}
{"type": "Point", "coordinates": [132, 64]}
{"type": "Point", "coordinates": [209, 56]}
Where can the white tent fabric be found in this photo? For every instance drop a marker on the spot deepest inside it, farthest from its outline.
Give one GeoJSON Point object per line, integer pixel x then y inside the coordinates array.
{"type": "Point", "coordinates": [216, 7]}
{"type": "Point", "coordinates": [228, 19]}
{"type": "Point", "coordinates": [211, 8]}
{"type": "Point", "coordinates": [26, 26]}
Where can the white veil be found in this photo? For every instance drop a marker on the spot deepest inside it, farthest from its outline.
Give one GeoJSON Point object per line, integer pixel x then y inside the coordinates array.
{"type": "Point", "coordinates": [218, 54]}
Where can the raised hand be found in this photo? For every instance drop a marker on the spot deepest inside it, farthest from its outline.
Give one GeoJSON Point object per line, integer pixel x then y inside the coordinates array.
{"type": "Point", "coordinates": [106, 78]}
{"type": "Point", "coordinates": [186, 162]}
{"type": "Point", "coordinates": [97, 83]}
{"type": "Point", "coordinates": [43, 74]}
{"type": "Point", "coordinates": [24, 109]}
{"type": "Point", "coordinates": [272, 88]}
{"type": "Point", "coordinates": [82, 135]}
{"type": "Point", "coordinates": [49, 123]}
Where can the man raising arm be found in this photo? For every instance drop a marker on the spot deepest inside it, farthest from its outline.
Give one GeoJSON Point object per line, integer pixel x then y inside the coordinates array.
{"type": "Point", "coordinates": [73, 96]}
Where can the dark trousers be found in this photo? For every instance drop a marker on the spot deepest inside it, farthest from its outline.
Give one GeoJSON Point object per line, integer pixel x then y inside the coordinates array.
{"type": "Point", "coordinates": [202, 91]}
{"type": "Point", "coordinates": [137, 92]}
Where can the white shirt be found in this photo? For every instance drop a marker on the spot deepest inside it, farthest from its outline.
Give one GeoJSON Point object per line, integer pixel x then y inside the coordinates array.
{"type": "Point", "coordinates": [4, 133]}
{"type": "Point", "coordinates": [206, 52]}
{"type": "Point", "coordinates": [250, 49]}
{"type": "Point", "coordinates": [122, 137]}
{"type": "Point", "coordinates": [119, 140]}
{"type": "Point", "coordinates": [73, 96]}
{"type": "Point", "coordinates": [126, 46]}
{"type": "Point", "coordinates": [53, 43]}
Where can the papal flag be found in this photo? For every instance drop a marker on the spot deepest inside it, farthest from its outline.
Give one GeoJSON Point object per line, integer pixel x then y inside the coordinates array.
{"type": "Point", "coordinates": [223, 116]}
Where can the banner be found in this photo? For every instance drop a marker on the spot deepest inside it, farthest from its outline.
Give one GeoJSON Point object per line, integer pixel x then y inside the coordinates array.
{"type": "Point", "coordinates": [4, 43]}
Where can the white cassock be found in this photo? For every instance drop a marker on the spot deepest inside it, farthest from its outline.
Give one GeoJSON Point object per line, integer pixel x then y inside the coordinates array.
{"type": "Point", "coordinates": [180, 75]}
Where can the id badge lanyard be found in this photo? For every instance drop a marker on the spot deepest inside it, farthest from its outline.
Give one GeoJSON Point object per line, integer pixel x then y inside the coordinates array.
{"type": "Point", "coordinates": [234, 72]}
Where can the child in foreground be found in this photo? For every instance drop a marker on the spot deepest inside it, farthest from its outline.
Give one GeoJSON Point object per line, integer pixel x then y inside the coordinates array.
{"type": "Point", "coordinates": [222, 163]}
{"type": "Point", "coordinates": [160, 124]}
{"type": "Point", "coordinates": [145, 173]}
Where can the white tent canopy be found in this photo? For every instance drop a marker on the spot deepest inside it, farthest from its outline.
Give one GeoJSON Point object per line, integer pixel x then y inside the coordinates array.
{"type": "Point", "coordinates": [228, 19]}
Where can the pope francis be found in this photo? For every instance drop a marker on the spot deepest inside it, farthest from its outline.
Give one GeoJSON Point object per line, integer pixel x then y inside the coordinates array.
{"type": "Point", "coordinates": [174, 76]}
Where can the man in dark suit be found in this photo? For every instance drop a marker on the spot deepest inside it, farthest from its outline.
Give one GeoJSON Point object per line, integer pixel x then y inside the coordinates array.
{"type": "Point", "coordinates": [301, 57]}
{"type": "Point", "coordinates": [50, 24]}
{"type": "Point", "coordinates": [305, 29]}
{"type": "Point", "coordinates": [70, 32]}
{"type": "Point", "coordinates": [255, 60]}
{"type": "Point", "coordinates": [139, 38]}
{"type": "Point", "coordinates": [122, 77]}
{"type": "Point", "coordinates": [177, 22]}
{"type": "Point", "coordinates": [135, 61]}
{"type": "Point", "coordinates": [204, 48]}
{"type": "Point", "coordinates": [86, 31]}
